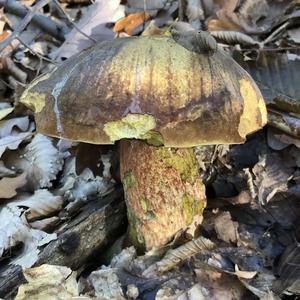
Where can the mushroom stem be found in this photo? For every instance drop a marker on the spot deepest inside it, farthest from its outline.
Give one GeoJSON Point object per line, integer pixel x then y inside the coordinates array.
{"type": "Point", "coordinates": [163, 192]}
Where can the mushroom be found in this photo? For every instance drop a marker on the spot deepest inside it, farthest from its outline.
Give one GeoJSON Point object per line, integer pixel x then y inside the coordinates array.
{"type": "Point", "coordinates": [160, 98]}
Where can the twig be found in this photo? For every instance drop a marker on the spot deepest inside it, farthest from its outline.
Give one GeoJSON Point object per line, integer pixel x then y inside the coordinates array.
{"type": "Point", "coordinates": [44, 23]}
{"type": "Point", "coordinates": [268, 49]}
{"type": "Point", "coordinates": [274, 33]}
{"type": "Point", "coordinates": [37, 54]}
{"type": "Point", "coordinates": [250, 183]}
{"type": "Point", "coordinates": [180, 8]}
{"type": "Point", "coordinates": [73, 23]}
{"type": "Point", "coordinates": [6, 84]}
{"type": "Point", "coordinates": [22, 25]}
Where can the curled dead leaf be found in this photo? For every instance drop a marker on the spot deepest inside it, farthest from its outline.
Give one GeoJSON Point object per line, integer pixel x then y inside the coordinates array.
{"type": "Point", "coordinates": [41, 204]}
{"type": "Point", "coordinates": [226, 229]}
{"type": "Point", "coordinates": [244, 274]}
{"type": "Point", "coordinates": [131, 22]}
{"type": "Point", "coordinates": [225, 20]}
{"type": "Point", "coordinates": [233, 37]}
{"type": "Point", "coordinates": [14, 230]}
{"type": "Point", "coordinates": [5, 172]}
{"type": "Point", "coordinates": [271, 177]}
{"type": "Point", "coordinates": [5, 111]}
{"type": "Point", "coordinates": [9, 185]}
{"type": "Point", "coordinates": [41, 160]}
{"type": "Point", "coordinates": [228, 5]}
{"type": "Point", "coordinates": [48, 282]}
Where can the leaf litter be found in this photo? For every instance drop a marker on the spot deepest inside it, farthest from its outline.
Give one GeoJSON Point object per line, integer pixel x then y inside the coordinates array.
{"type": "Point", "coordinates": [247, 245]}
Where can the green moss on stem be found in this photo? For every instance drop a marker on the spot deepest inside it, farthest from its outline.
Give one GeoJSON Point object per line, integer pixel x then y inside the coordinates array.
{"type": "Point", "coordinates": [186, 165]}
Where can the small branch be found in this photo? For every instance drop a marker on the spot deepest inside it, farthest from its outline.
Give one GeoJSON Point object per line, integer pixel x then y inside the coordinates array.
{"type": "Point", "coordinates": [271, 37]}
{"type": "Point", "coordinates": [73, 24]}
{"type": "Point", "coordinates": [37, 54]}
{"type": "Point", "coordinates": [22, 25]}
{"type": "Point", "coordinates": [47, 25]}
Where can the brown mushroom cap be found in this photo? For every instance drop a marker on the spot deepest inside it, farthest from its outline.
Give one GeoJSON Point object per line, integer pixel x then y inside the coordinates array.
{"type": "Point", "coordinates": [148, 88]}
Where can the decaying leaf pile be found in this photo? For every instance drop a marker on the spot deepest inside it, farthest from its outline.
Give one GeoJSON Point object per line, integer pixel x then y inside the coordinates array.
{"type": "Point", "coordinates": [62, 214]}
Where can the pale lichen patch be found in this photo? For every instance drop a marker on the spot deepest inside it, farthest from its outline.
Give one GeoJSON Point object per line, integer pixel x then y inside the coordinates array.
{"type": "Point", "coordinates": [132, 126]}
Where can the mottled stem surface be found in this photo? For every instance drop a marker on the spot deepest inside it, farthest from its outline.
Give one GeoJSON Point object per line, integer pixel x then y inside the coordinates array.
{"type": "Point", "coordinates": [163, 192]}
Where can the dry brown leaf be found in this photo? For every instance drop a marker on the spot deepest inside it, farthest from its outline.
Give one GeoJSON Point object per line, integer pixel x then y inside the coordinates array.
{"type": "Point", "coordinates": [93, 24]}
{"type": "Point", "coordinates": [106, 284]}
{"type": "Point", "coordinates": [41, 160]}
{"type": "Point", "coordinates": [131, 22]}
{"type": "Point", "coordinates": [40, 205]}
{"type": "Point", "coordinates": [218, 285]}
{"type": "Point", "coordinates": [9, 185]}
{"type": "Point", "coordinates": [5, 111]}
{"type": "Point", "coordinates": [226, 229]}
{"type": "Point", "coordinates": [195, 13]}
{"type": "Point", "coordinates": [2, 21]}
{"type": "Point", "coordinates": [49, 282]}
{"type": "Point", "coordinates": [233, 37]}
{"type": "Point", "coordinates": [244, 274]}
{"type": "Point", "coordinates": [294, 35]}
{"type": "Point", "coordinates": [277, 76]}
{"type": "Point", "coordinates": [226, 20]}
{"type": "Point", "coordinates": [27, 2]}
{"type": "Point", "coordinates": [4, 35]}
{"type": "Point", "coordinates": [228, 5]}
{"type": "Point", "coordinates": [271, 176]}
{"type": "Point", "coordinates": [146, 4]}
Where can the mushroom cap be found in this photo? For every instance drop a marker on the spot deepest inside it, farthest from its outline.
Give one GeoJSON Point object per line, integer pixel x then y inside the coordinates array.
{"type": "Point", "coordinates": [149, 88]}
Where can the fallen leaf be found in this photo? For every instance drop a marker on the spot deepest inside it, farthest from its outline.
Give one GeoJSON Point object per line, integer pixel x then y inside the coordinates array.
{"type": "Point", "coordinates": [5, 111]}
{"type": "Point", "coordinates": [233, 37]}
{"type": "Point", "coordinates": [228, 5]}
{"type": "Point", "coordinates": [147, 4]}
{"type": "Point", "coordinates": [271, 177]}
{"type": "Point", "coordinates": [294, 35]}
{"type": "Point", "coordinates": [195, 13]}
{"type": "Point", "coordinates": [12, 142]}
{"type": "Point", "coordinates": [226, 20]}
{"type": "Point", "coordinates": [5, 172]}
{"type": "Point", "coordinates": [92, 24]}
{"type": "Point", "coordinates": [131, 22]}
{"type": "Point", "coordinates": [84, 186]}
{"type": "Point", "coordinates": [9, 185]}
{"type": "Point", "coordinates": [278, 140]}
{"type": "Point", "coordinates": [4, 35]}
{"type": "Point", "coordinates": [225, 228]}
{"type": "Point", "coordinates": [288, 271]}
{"type": "Point", "coordinates": [262, 285]}
{"type": "Point", "coordinates": [48, 282]}
{"type": "Point", "coordinates": [41, 160]}
{"type": "Point", "coordinates": [41, 204]}
{"type": "Point", "coordinates": [276, 74]}
{"type": "Point", "coordinates": [218, 285]}
{"type": "Point", "coordinates": [14, 229]}
{"type": "Point", "coordinates": [2, 21]}
{"type": "Point", "coordinates": [244, 274]}
{"type": "Point", "coordinates": [45, 224]}
{"type": "Point", "coordinates": [106, 284]}
{"type": "Point", "coordinates": [7, 126]}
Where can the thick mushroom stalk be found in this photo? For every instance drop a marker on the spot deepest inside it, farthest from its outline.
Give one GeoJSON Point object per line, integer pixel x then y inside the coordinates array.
{"type": "Point", "coordinates": [163, 192]}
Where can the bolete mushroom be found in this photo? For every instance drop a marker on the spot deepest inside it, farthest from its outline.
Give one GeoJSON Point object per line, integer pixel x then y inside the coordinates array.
{"type": "Point", "coordinates": [161, 98]}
